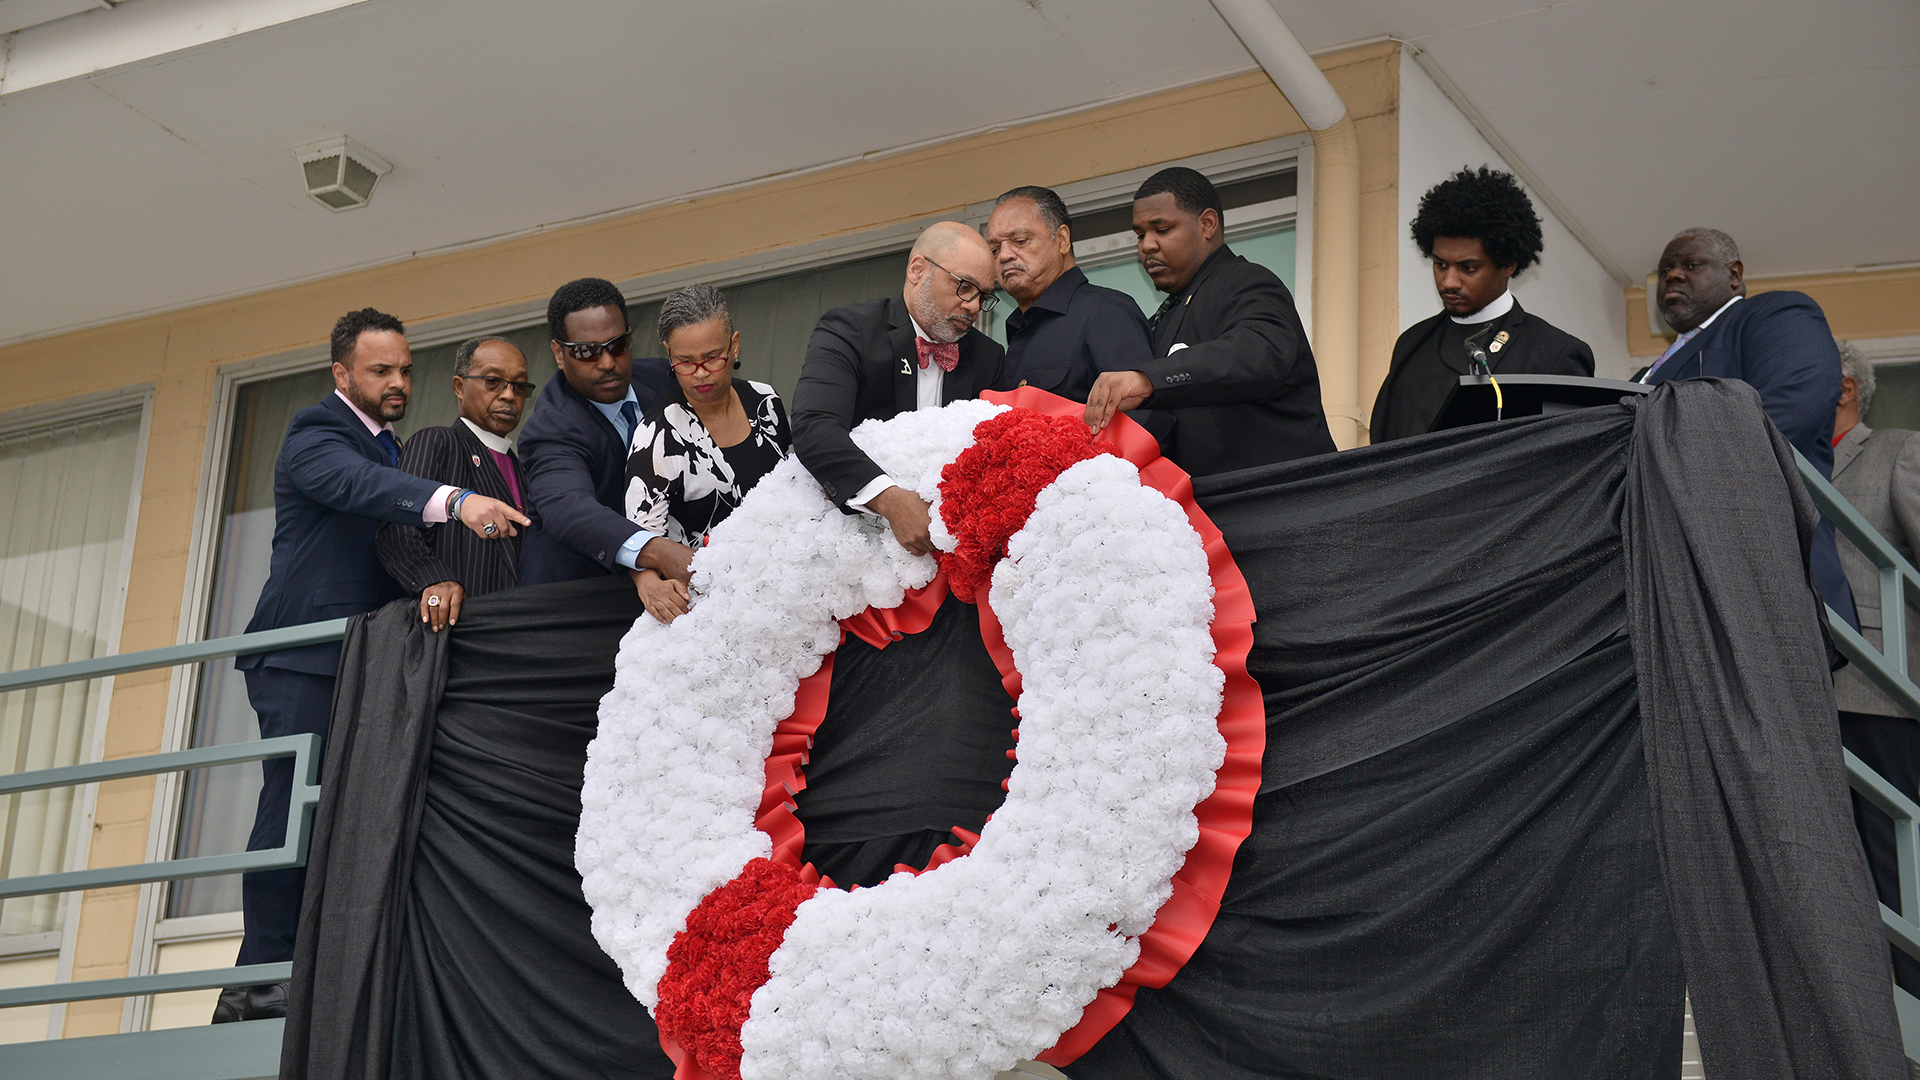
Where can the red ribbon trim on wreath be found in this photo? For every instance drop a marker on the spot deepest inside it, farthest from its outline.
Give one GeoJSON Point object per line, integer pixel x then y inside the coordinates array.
{"type": "Point", "coordinates": [1225, 817]}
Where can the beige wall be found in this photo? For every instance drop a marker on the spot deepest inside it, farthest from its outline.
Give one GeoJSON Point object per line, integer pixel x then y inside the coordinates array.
{"type": "Point", "coordinates": [1876, 304]}
{"type": "Point", "coordinates": [179, 353]}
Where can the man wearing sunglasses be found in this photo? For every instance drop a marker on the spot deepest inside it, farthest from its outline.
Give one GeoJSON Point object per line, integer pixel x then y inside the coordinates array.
{"type": "Point", "coordinates": [575, 445]}
{"type": "Point", "coordinates": [879, 358]}
{"type": "Point", "coordinates": [445, 566]}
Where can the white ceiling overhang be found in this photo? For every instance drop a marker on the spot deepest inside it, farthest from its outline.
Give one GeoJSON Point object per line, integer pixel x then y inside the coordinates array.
{"type": "Point", "coordinates": [145, 150]}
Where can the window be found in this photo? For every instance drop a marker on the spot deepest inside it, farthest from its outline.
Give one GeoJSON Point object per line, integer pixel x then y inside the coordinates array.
{"type": "Point", "coordinates": [66, 494]}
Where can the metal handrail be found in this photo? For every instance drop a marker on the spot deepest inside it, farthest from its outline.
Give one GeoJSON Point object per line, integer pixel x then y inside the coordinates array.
{"type": "Point", "coordinates": [292, 852]}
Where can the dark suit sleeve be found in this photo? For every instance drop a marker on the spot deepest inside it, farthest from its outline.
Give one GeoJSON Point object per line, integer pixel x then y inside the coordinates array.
{"type": "Point", "coordinates": [824, 405]}
{"type": "Point", "coordinates": [559, 478]}
{"type": "Point", "coordinates": [1577, 360]}
{"type": "Point", "coordinates": [1788, 354]}
{"type": "Point", "coordinates": [407, 551]}
{"type": "Point", "coordinates": [328, 468]}
{"type": "Point", "coordinates": [1248, 362]}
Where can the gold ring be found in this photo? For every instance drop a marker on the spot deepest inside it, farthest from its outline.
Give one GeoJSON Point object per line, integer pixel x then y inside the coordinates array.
{"type": "Point", "coordinates": [433, 601]}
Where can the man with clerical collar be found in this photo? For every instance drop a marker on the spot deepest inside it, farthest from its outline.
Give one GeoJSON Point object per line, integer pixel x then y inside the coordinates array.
{"type": "Point", "coordinates": [1777, 342]}
{"type": "Point", "coordinates": [1233, 366]}
{"type": "Point", "coordinates": [1067, 330]}
{"type": "Point", "coordinates": [1480, 231]}
{"type": "Point", "coordinates": [879, 358]}
{"type": "Point", "coordinates": [445, 566]}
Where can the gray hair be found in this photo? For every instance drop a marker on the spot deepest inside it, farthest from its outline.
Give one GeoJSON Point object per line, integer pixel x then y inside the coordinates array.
{"type": "Point", "coordinates": [1855, 365]}
{"type": "Point", "coordinates": [692, 306]}
{"type": "Point", "coordinates": [463, 356]}
{"type": "Point", "coordinates": [1052, 210]}
{"type": "Point", "coordinates": [1719, 243]}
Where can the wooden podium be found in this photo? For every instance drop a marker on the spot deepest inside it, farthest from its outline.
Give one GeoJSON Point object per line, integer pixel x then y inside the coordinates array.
{"type": "Point", "coordinates": [1471, 401]}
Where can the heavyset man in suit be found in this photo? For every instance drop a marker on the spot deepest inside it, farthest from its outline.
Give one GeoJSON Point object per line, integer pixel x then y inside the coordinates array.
{"type": "Point", "coordinates": [1067, 330]}
{"type": "Point", "coordinates": [1878, 470]}
{"type": "Point", "coordinates": [1480, 231]}
{"type": "Point", "coordinates": [1233, 363]}
{"type": "Point", "coordinates": [442, 565]}
{"type": "Point", "coordinates": [335, 480]}
{"type": "Point", "coordinates": [1778, 343]}
{"type": "Point", "coordinates": [879, 358]}
{"type": "Point", "coordinates": [575, 445]}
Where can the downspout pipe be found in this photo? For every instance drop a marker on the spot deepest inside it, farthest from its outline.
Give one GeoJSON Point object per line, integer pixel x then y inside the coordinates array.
{"type": "Point", "coordinates": [1336, 207]}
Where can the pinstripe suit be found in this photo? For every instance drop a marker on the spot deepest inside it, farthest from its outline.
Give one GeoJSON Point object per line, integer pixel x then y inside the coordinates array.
{"type": "Point", "coordinates": [417, 557]}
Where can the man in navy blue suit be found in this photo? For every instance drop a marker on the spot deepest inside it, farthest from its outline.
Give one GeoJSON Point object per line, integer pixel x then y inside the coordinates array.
{"type": "Point", "coordinates": [573, 450]}
{"type": "Point", "coordinates": [335, 480]}
{"type": "Point", "coordinates": [1778, 343]}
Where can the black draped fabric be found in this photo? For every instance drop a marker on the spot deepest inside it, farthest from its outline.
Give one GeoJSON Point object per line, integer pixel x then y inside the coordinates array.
{"type": "Point", "coordinates": [1549, 738]}
{"type": "Point", "coordinates": [493, 968]}
{"type": "Point", "coordinates": [914, 744]}
{"type": "Point", "coordinates": [1520, 786]}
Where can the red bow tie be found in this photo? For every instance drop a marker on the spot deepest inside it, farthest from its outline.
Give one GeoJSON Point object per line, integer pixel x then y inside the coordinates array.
{"type": "Point", "coordinates": [947, 355]}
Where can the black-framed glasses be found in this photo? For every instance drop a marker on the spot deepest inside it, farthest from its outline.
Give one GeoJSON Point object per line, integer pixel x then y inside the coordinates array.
{"type": "Point", "coordinates": [495, 384]}
{"type": "Point", "coordinates": [967, 290]}
{"type": "Point", "coordinates": [584, 351]}
{"type": "Point", "coordinates": [711, 363]}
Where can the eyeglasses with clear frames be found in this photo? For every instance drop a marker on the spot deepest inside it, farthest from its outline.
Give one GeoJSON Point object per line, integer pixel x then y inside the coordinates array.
{"type": "Point", "coordinates": [967, 290]}
{"type": "Point", "coordinates": [585, 351]}
{"type": "Point", "coordinates": [495, 384]}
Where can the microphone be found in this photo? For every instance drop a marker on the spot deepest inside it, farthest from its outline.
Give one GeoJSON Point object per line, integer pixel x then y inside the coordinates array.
{"type": "Point", "coordinates": [1478, 360]}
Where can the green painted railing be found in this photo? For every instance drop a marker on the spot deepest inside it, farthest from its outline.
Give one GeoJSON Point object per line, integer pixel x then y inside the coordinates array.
{"type": "Point", "coordinates": [213, 1052]}
{"type": "Point", "coordinates": [1887, 667]}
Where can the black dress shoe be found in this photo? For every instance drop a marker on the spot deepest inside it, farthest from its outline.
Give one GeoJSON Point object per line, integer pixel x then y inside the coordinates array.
{"type": "Point", "coordinates": [264, 1002]}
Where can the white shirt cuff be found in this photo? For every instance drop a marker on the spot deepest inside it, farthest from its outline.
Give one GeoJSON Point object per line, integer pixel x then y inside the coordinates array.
{"type": "Point", "coordinates": [629, 553]}
{"type": "Point", "coordinates": [874, 487]}
{"type": "Point", "coordinates": [436, 508]}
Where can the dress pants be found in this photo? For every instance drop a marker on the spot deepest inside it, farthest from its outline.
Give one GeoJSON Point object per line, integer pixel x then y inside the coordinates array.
{"type": "Point", "coordinates": [286, 703]}
{"type": "Point", "coordinates": [1890, 746]}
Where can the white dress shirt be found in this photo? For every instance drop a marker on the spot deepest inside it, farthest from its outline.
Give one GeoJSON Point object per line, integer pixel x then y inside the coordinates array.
{"type": "Point", "coordinates": [928, 382]}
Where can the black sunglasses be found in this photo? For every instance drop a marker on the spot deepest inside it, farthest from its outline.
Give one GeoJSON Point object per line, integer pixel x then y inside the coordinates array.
{"type": "Point", "coordinates": [589, 350]}
{"type": "Point", "coordinates": [495, 384]}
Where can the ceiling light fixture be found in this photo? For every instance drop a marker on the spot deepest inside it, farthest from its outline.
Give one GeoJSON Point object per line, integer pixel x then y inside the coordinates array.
{"type": "Point", "coordinates": [340, 172]}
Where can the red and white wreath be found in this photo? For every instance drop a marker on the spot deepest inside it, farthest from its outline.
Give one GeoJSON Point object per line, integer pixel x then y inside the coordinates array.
{"type": "Point", "coordinates": [1122, 628]}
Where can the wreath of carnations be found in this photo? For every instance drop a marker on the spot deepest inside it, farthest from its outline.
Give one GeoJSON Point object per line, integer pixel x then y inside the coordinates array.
{"type": "Point", "coordinates": [1120, 626]}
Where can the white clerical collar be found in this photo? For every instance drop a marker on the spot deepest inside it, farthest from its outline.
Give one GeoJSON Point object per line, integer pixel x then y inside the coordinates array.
{"type": "Point", "coordinates": [492, 442]}
{"type": "Point", "coordinates": [1716, 314]}
{"type": "Point", "coordinates": [1492, 311]}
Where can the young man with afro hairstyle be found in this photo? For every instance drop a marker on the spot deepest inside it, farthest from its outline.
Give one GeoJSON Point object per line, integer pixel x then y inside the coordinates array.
{"type": "Point", "coordinates": [1480, 230]}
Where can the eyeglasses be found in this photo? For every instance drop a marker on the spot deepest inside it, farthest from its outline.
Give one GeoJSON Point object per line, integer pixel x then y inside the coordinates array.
{"type": "Point", "coordinates": [711, 363]}
{"type": "Point", "coordinates": [589, 350]}
{"type": "Point", "coordinates": [495, 384]}
{"type": "Point", "coordinates": [967, 290]}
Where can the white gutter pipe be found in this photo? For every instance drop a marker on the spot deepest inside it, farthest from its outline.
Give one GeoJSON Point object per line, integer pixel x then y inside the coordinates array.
{"type": "Point", "coordinates": [1336, 207]}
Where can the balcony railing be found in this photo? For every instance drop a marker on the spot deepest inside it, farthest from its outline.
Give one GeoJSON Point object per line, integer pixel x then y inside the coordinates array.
{"type": "Point", "coordinates": [252, 1050]}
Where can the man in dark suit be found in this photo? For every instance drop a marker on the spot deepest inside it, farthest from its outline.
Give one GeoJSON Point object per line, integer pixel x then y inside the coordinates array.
{"type": "Point", "coordinates": [1777, 342]}
{"type": "Point", "coordinates": [1234, 366]}
{"type": "Point", "coordinates": [575, 445]}
{"type": "Point", "coordinates": [335, 480]}
{"type": "Point", "coordinates": [1878, 470]}
{"type": "Point", "coordinates": [879, 358]}
{"type": "Point", "coordinates": [1480, 231]}
{"type": "Point", "coordinates": [444, 565]}
{"type": "Point", "coordinates": [1067, 329]}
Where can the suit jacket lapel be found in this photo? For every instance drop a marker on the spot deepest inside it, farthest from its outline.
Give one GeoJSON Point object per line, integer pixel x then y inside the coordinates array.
{"type": "Point", "coordinates": [1850, 447]}
{"type": "Point", "coordinates": [1509, 324]}
{"type": "Point", "coordinates": [900, 335]}
{"type": "Point", "coordinates": [1176, 318]}
{"type": "Point", "coordinates": [369, 446]}
{"type": "Point", "coordinates": [479, 461]}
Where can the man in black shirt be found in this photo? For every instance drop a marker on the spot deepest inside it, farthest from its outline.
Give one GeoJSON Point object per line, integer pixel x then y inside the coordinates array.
{"type": "Point", "coordinates": [1234, 367]}
{"type": "Point", "coordinates": [1068, 330]}
{"type": "Point", "coordinates": [1480, 230]}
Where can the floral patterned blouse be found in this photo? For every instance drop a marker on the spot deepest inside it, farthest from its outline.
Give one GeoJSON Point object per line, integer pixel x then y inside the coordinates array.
{"type": "Point", "coordinates": [680, 485]}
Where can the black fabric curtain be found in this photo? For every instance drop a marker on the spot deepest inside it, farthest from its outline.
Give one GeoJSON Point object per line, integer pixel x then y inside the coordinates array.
{"type": "Point", "coordinates": [1550, 738]}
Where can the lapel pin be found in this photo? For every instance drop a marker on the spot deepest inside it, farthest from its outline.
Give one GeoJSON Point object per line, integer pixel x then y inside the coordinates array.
{"type": "Point", "coordinates": [1498, 342]}
{"type": "Point", "coordinates": [476, 460]}
{"type": "Point", "coordinates": [906, 368]}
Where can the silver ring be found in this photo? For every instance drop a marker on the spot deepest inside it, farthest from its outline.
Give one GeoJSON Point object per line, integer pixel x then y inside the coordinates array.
{"type": "Point", "coordinates": [433, 601]}
{"type": "Point", "coordinates": [487, 528]}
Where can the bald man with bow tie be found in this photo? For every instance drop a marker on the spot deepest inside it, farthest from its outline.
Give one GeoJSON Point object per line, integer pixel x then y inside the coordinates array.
{"type": "Point", "coordinates": [879, 358]}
